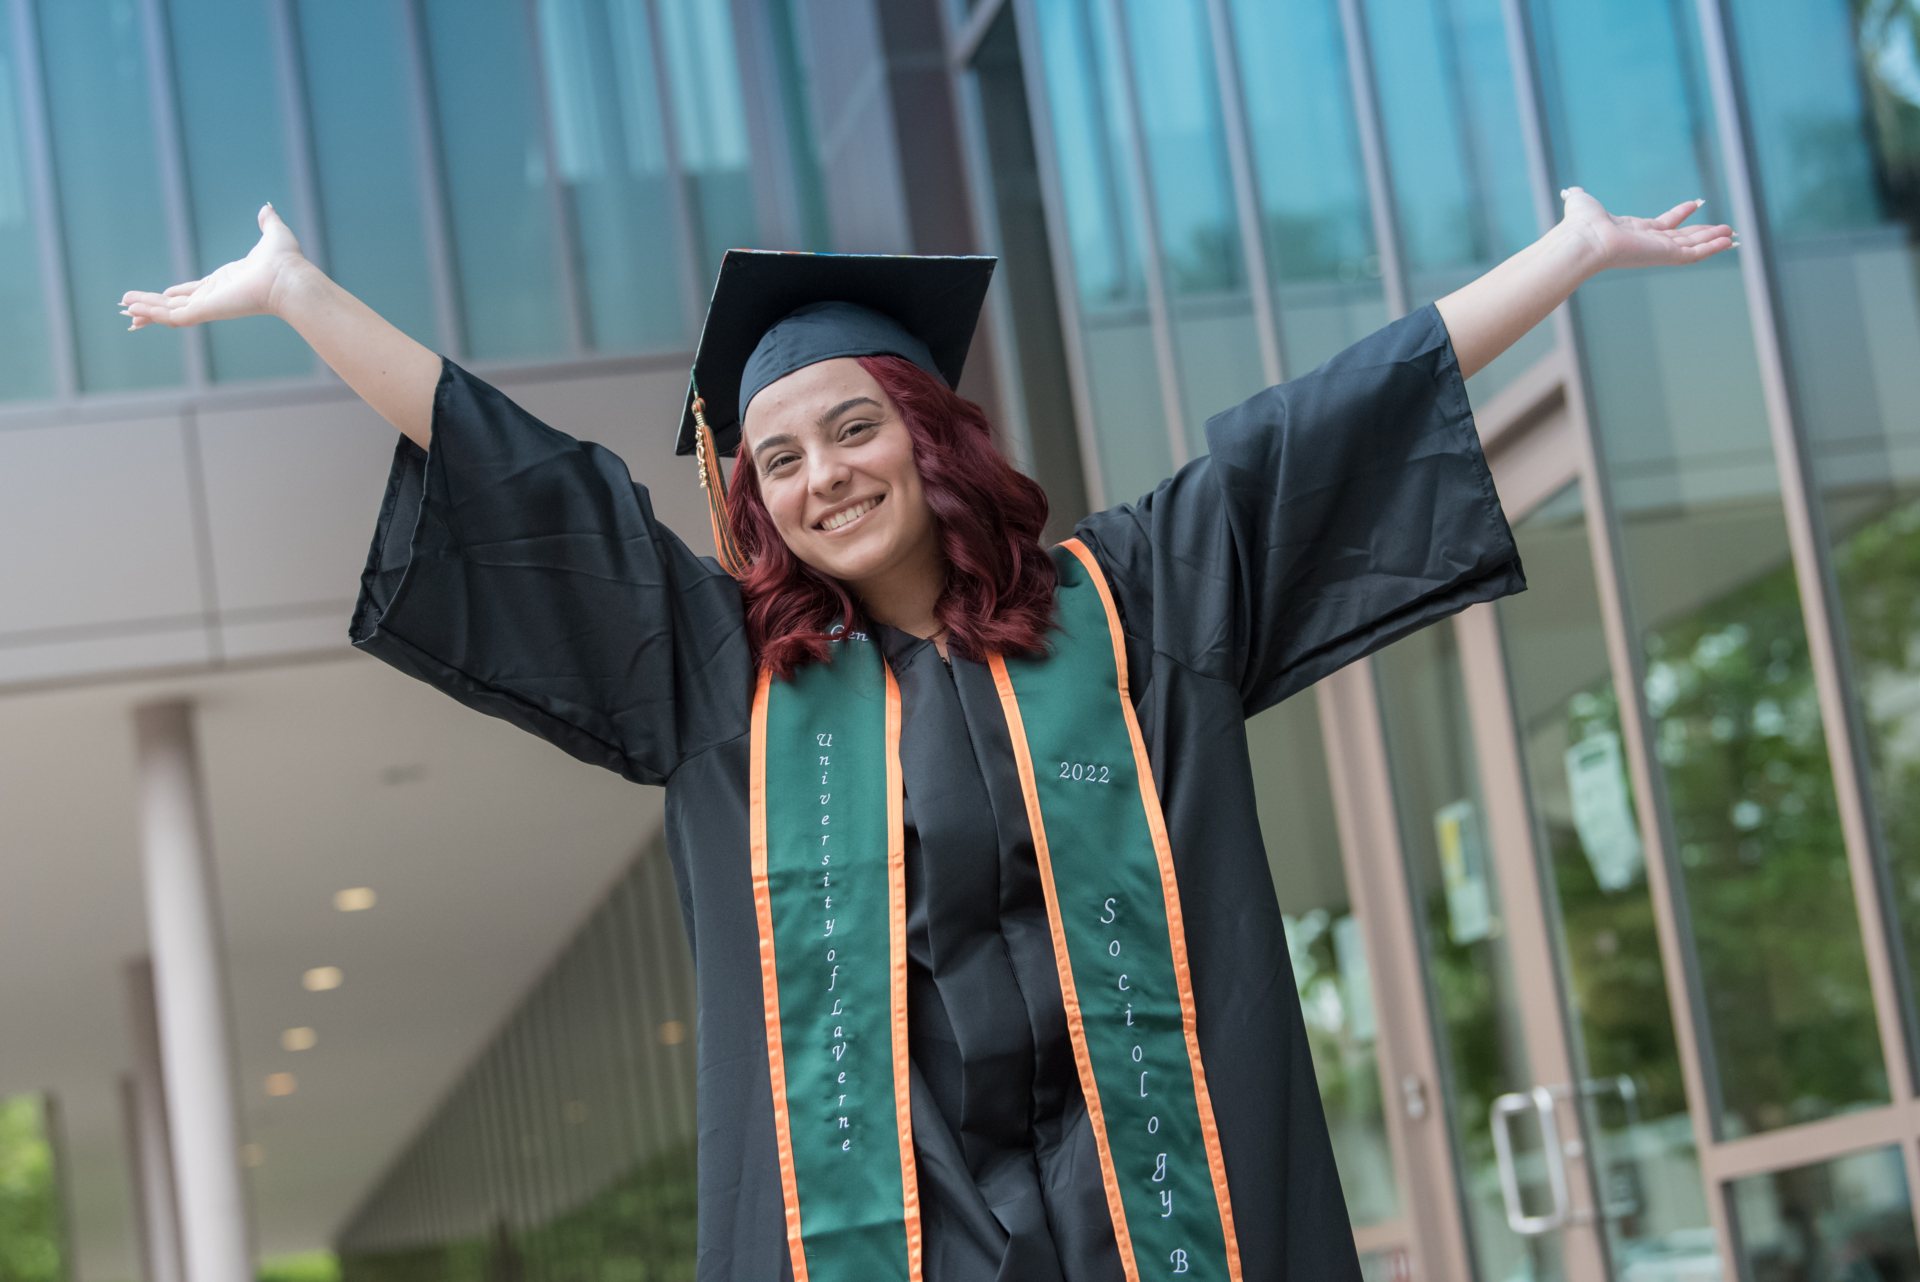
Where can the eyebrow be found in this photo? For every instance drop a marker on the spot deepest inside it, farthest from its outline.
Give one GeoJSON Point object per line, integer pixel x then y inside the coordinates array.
{"type": "Point", "coordinates": [787, 438]}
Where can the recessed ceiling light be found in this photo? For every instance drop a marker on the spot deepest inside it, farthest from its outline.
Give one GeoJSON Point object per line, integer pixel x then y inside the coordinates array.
{"type": "Point", "coordinates": [298, 1039]}
{"type": "Point", "coordinates": [354, 899]}
{"type": "Point", "coordinates": [281, 1084]}
{"type": "Point", "coordinates": [672, 1033]}
{"type": "Point", "coordinates": [252, 1155]}
{"type": "Point", "coordinates": [322, 978]}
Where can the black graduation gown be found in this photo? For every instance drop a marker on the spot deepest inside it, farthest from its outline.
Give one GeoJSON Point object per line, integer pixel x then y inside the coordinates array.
{"type": "Point", "coordinates": [521, 571]}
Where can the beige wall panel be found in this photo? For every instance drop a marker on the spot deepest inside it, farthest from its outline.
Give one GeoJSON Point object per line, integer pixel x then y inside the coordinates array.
{"type": "Point", "coordinates": [97, 520]}
{"type": "Point", "coordinates": [292, 493]}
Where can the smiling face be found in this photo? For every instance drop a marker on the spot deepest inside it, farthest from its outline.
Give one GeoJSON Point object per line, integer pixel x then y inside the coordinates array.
{"type": "Point", "coordinates": [834, 464]}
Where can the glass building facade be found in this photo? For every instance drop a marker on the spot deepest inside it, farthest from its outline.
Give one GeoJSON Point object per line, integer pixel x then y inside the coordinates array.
{"type": "Point", "coordinates": [1603, 902]}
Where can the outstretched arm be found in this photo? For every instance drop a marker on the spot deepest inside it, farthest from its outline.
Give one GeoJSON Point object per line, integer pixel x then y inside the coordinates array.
{"type": "Point", "coordinates": [390, 371]}
{"type": "Point", "coordinates": [1488, 314]}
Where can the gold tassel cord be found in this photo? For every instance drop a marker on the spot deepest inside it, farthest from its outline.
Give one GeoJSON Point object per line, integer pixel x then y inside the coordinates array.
{"type": "Point", "coordinates": [715, 485]}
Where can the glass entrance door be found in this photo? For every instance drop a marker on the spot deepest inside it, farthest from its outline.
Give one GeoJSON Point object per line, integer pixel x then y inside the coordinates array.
{"type": "Point", "coordinates": [1552, 723]}
{"type": "Point", "coordinates": [1576, 1154]}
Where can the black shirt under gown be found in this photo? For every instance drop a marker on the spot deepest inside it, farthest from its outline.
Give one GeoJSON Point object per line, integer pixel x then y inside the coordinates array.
{"type": "Point", "coordinates": [522, 571]}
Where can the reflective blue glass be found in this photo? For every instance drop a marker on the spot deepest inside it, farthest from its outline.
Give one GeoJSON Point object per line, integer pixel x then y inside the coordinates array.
{"type": "Point", "coordinates": [710, 126]}
{"type": "Point", "coordinates": [26, 357]}
{"type": "Point", "coordinates": [233, 142]}
{"type": "Point", "coordinates": [1216, 346]}
{"type": "Point", "coordinates": [488, 117]}
{"type": "Point", "coordinates": [1086, 106]}
{"type": "Point", "coordinates": [1455, 153]}
{"type": "Point", "coordinates": [1316, 225]}
{"type": "Point", "coordinates": [605, 99]}
{"type": "Point", "coordinates": [366, 158]}
{"type": "Point", "coordinates": [107, 182]}
{"type": "Point", "coordinates": [1833, 105]}
{"type": "Point", "coordinates": [797, 120]}
{"type": "Point", "coordinates": [1682, 427]}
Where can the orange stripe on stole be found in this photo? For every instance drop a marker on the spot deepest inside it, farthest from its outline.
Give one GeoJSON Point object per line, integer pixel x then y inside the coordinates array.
{"type": "Point", "coordinates": [1176, 928]}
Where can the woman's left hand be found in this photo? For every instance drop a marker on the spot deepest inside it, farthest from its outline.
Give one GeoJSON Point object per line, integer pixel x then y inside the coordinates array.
{"type": "Point", "coordinates": [1620, 241]}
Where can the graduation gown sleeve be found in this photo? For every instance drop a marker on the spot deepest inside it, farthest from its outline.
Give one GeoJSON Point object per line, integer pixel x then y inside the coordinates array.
{"type": "Point", "coordinates": [1334, 513]}
{"type": "Point", "coordinates": [522, 572]}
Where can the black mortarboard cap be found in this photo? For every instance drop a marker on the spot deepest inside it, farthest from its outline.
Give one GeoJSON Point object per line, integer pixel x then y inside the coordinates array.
{"type": "Point", "coordinates": [774, 312]}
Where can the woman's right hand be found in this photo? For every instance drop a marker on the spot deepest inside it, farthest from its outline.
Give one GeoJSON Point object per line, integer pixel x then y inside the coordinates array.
{"type": "Point", "coordinates": [249, 286]}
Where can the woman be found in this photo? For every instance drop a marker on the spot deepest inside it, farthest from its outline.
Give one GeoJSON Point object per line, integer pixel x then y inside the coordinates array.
{"type": "Point", "coordinates": [992, 979]}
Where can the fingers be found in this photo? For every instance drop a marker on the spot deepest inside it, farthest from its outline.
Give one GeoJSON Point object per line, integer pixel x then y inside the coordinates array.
{"type": "Point", "coordinates": [143, 307]}
{"type": "Point", "coordinates": [1691, 236]}
{"type": "Point", "coordinates": [1678, 214]}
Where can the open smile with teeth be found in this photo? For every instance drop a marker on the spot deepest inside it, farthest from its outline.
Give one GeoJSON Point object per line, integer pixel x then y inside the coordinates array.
{"type": "Point", "coordinates": [840, 520]}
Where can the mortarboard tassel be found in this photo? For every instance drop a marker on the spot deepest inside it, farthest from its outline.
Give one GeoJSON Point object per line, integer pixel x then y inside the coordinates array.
{"type": "Point", "coordinates": [716, 487]}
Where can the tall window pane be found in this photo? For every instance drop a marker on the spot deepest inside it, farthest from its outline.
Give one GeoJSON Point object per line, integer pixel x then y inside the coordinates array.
{"type": "Point", "coordinates": [26, 357]}
{"type": "Point", "coordinates": [1833, 101]}
{"type": "Point", "coordinates": [1737, 733]}
{"type": "Point", "coordinates": [1461, 912]}
{"type": "Point", "coordinates": [1216, 348]}
{"type": "Point", "coordinates": [502, 219]}
{"type": "Point", "coordinates": [1085, 103]}
{"type": "Point", "coordinates": [1600, 912]}
{"type": "Point", "coordinates": [796, 118]}
{"type": "Point", "coordinates": [1454, 148]}
{"type": "Point", "coordinates": [367, 159]}
{"type": "Point", "coordinates": [1328, 954]}
{"type": "Point", "coordinates": [1842, 1219]}
{"type": "Point", "coordinates": [710, 125]}
{"type": "Point", "coordinates": [233, 140]}
{"type": "Point", "coordinates": [107, 181]}
{"type": "Point", "coordinates": [603, 87]}
{"type": "Point", "coordinates": [1315, 219]}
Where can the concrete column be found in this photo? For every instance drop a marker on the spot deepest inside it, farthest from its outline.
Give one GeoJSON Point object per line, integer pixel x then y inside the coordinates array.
{"type": "Point", "coordinates": [143, 1097]}
{"type": "Point", "coordinates": [183, 922]}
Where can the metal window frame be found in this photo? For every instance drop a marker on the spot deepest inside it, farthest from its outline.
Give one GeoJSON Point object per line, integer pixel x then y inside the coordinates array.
{"type": "Point", "coordinates": [962, 48]}
{"type": "Point", "coordinates": [1810, 547]}
{"type": "Point", "coordinates": [1139, 180]}
{"type": "Point", "coordinates": [1664, 880]}
{"type": "Point", "coordinates": [688, 255]}
{"type": "Point", "coordinates": [296, 128]}
{"type": "Point", "coordinates": [430, 164]}
{"type": "Point", "coordinates": [169, 148]}
{"type": "Point", "coordinates": [1238, 140]}
{"type": "Point", "coordinates": [43, 199]}
{"type": "Point", "coordinates": [1723, 1161]}
{"type": "Point", "coordinates": [1060, 248]}
{"type": "Point", "coordinates": [1374, 161]}
{"type": "Point", "coordinates": [564, 248]}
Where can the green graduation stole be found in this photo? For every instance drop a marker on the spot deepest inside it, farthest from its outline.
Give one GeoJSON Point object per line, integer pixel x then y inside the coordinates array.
{"type": "Point", "coordinates": [829, 883]}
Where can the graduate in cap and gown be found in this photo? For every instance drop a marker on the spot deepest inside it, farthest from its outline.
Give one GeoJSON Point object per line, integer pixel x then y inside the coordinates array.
{"type": "Point", "coordinates": [992, 978]}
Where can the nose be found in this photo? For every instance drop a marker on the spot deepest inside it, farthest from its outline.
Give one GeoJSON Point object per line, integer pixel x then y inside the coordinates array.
{"type": "Point", "coordinates": [826, 472]}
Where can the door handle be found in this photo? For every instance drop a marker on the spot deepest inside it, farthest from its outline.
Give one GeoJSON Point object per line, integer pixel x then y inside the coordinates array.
{"type": "Point", "coordinates": [1538, 1101]}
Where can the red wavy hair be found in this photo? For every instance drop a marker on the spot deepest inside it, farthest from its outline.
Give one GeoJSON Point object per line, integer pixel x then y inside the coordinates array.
{"type": "Point", "coordinates": [999, 589]}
